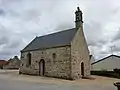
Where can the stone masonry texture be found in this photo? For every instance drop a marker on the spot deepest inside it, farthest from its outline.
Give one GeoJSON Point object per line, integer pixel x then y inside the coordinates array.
{"type": "Point", "coordinates": [54, 67]}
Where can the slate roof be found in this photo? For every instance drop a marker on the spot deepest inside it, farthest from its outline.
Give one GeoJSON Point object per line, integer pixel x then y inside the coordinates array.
{"type": "Point", "coordinates": [105, 58]}
{"type": "Point", "coordinates": [51, 40]}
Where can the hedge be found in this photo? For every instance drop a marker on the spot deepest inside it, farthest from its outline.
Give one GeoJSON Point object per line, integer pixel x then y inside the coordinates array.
{"type": "Point", "coordinates": [114, 74]}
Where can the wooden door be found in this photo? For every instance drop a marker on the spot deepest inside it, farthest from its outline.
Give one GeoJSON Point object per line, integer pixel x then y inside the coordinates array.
{"type": "Point", "coordinates": [41, 67]}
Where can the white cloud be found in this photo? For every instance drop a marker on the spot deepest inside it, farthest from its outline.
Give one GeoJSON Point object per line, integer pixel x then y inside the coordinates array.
{"type": "Point", "coordinates": [22, 20]}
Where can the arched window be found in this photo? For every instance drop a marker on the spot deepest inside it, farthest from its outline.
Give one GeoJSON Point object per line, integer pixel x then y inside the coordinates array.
{"type": "Point", "coordinates": [82, 69]}
{"type": "Point", "coordinates": [53, 57]}
{"type": "Point", "coordinates": [29, 59]}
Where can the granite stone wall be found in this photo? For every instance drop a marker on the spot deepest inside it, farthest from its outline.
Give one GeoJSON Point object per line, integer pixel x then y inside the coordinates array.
{"type": "Point", "coordinates": [79, 54]}
{"type": "Point", "coordinates": [57, 62]}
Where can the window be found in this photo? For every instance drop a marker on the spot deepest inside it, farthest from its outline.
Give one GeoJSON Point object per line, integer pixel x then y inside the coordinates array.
{"type": "Point", "coordinates": [21, 64]}
{"type": "Point", "coordinates": [28, 59]}
{"type": "Point", "coordinates": [54, 55]}
{"type": "Point", "coordinates": [22, 56]}
{"type": "Point", "coordinates": [82, 69]}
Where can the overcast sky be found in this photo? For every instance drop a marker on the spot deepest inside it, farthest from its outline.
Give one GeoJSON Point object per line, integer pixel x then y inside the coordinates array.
{"type": "Point", "coordinates": [23, 20]}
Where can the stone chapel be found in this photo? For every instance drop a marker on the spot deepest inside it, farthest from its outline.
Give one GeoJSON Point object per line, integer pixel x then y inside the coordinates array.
{"type": "Point", "coordinates": [63, 54]}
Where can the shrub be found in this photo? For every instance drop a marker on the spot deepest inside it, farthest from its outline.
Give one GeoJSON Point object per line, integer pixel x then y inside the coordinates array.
{"type": "Point", "coordinates": [117, 70]}
{"type": "Point", "coordinates": [106, 73]}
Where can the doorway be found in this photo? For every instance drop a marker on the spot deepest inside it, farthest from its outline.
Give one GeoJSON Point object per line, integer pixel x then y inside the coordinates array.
{"type": "Point", "coordinates": [41, 67]}
{"type": "Point", "coordinates": [82, 69]}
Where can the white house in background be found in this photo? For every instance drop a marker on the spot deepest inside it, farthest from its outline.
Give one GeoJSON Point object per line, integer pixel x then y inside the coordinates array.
{"type": "Point", "coordinates": [108, 63]}
{"type": "Point", "coordinates": [92, 59]}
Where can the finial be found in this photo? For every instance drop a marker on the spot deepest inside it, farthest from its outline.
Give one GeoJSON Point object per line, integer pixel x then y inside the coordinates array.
{"type": "Point", "coordinates": [78, 8]}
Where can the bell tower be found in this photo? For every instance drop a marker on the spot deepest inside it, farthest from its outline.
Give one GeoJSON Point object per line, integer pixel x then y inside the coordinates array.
{"type": "Point", "coordinates": [78, 18]}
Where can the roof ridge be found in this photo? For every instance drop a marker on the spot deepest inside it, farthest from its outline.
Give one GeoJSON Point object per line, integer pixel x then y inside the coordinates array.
{"type": "Point", "coordinates": [105, 58]}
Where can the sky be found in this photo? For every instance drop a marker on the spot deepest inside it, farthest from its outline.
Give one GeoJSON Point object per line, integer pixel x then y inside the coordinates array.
{"type": "Point", "coordinates": [22, 20]}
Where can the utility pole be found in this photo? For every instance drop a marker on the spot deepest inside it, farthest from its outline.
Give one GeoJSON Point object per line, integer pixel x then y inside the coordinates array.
{"type": "Point", "coordinates": [112, 48]}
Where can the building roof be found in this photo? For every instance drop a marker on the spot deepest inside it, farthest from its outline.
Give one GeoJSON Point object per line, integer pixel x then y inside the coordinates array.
{"type": "Point", "coordinates": [51, 40]}
{"type": "Point", "coordinates": [3, 62]}
{"type": "Point", "coordinates": [105, 58]}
